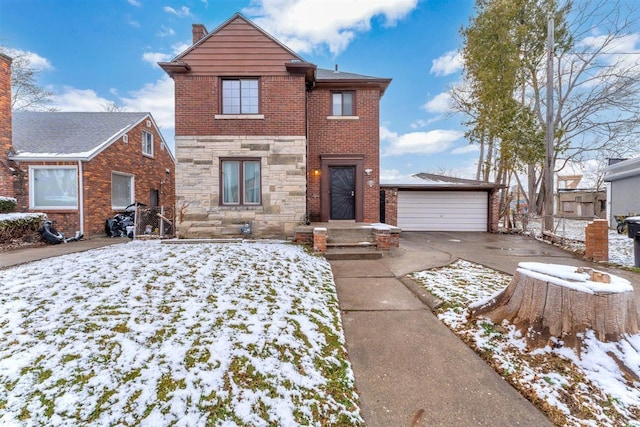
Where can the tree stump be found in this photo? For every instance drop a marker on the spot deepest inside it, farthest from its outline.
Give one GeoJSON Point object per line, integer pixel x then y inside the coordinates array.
{"type": "Point", "coordinates": [546, 301]}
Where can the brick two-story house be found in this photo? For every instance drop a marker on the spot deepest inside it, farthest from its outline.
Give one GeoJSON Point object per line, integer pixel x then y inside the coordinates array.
{"type": "Point", "coordinates": [80, 168]}
{"type": "Point", "coordinates": [266, 139]}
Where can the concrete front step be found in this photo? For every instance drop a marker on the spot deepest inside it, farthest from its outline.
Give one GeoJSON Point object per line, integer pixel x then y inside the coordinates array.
{"type": "Point", "coordinates": [350, 235]}
{"type": "Point", "coordinates": [352, 253]}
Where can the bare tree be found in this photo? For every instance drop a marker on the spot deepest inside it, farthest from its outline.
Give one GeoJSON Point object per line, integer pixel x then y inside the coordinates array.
{"type": "Point", "coordinates": [596, 84]}
{"type": "Point", "coordinates": [26, 94]}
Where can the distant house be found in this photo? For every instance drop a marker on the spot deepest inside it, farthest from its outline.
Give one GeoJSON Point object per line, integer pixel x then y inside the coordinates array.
{"type": "Point", "coordinates": [266, 141]}
{"type": "Point", "coordinates": [81, 168]}
{"type": "Point", "coordinates": [577, 194]}
{"type": "Point", "coordinates": [623, 191]}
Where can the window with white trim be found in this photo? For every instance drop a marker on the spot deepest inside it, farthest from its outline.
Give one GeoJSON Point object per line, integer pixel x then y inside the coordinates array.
{"type": "Point", "coordinates": [121, 190]}
{"type": "Point", "coordinates": [240, 96]}
{"type": "Point", "coordinates": [147, 143]}
{"type": "Point", "coordinates": [342, 103]}
{"type": "Point", "coordinates": [53, 187]}
{"type": "Point", "coordinates": [240, 183]}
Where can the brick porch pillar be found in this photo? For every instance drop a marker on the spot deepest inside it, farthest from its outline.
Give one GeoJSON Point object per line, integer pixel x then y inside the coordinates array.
{"type": "Point", "coordinates": [320, 239]}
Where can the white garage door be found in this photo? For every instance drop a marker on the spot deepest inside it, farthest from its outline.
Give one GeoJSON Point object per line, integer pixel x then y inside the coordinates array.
{"type": "Point", "coordinates": [443, 210]}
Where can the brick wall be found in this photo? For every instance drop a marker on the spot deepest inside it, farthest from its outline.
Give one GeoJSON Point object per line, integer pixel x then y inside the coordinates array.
{"type": "Point", "coordinates": [6, 174]}
{"type": "Point", "coordinates": [282, 102]}
{"type": "Point", "coordinates": [345, 136]}
{"type": "Point", "coordinates": [391, 206]}
{"type": "Point", "coordinates": [150, 173]}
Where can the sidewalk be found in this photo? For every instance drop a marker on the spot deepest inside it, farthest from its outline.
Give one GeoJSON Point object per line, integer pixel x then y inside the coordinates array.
{"type": "Point", "coordinates": [21, 256]}
{"type": "Point", "coordinates": [410, 369]}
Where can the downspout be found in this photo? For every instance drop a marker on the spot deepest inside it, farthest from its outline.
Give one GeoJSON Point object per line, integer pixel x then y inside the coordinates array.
{"type": "Point", "coordinates": [81, 195]}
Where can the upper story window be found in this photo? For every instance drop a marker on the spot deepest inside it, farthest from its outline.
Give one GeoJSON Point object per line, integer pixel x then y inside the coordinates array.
{"type": "Point", "coordinates": [147, 143]}
{"type": "Point", "coordinates": [342, 103]}
{"type": "Point", "coordinates": [240, 96]}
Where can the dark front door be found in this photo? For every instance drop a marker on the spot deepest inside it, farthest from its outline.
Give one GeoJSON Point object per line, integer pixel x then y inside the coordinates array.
{"type": "Point", "coordinates": [343, 192]}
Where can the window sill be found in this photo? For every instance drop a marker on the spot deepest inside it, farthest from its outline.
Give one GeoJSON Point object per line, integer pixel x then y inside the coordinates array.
{"type": "Point", "coordinates": [343, 117]}
{"type": "Point", "coordinates": [66, 209]}
{"type": "Point", "coordinates": [240, 207]}
{"type": "Point", "coordinates": [149, 156]}
{"type": "Point", "coordinates": [239, 116]}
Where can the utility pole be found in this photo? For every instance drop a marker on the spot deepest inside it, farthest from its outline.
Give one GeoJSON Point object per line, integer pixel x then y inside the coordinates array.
{"type": "Point", "coordinates": [549, 163]}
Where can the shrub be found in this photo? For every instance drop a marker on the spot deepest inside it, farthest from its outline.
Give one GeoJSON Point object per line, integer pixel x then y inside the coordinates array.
{"type": "Point", "coordinates": [8, 204]}
{"type": "Point", "coordinates": [19, 226]}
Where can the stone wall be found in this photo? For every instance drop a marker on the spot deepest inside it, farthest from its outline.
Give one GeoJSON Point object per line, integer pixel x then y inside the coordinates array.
{"type": "Point", "coordinates": [283, 186]}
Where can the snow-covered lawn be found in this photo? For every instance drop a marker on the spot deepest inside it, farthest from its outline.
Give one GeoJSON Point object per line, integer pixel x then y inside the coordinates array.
{"type": "Point", "coordinates": [598, 387]}
{"type": "Point", "coordinates": [144, 333]}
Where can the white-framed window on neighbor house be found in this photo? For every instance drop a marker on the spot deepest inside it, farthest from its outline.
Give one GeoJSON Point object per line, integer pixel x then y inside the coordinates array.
{"type": "Point", "coordinates": [122, 190]}
{"type": "Point", "coordinates": [342, 103]}
{"type": "Point", "coordinates": [240, 96]}
{"type": "Point", "coordinates": [147, 143]}
{"type": "Point", "coordinates": [240, 181]}
{"type": "Point", "coordinates": [53, 187]}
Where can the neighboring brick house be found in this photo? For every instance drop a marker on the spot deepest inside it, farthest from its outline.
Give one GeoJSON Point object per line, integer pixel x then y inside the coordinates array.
{"type": "Point", "coordinates": [266, 139]}
{"type": "Point", "coordinates": [81, 168]}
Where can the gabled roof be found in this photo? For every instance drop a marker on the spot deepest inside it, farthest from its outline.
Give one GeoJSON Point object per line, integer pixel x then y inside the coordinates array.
{"type": "Point", "coordinates": [69, 135]}
{"type": "Point", "coordinates": [240, 16]}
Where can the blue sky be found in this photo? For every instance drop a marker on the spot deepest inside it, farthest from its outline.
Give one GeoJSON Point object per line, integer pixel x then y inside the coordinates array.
{"type": "Point", "coordinates": [100, 51]}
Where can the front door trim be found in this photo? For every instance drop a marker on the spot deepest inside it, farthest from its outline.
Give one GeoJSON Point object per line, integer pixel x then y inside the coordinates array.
{"type": "Point", "coordinates": [328, 160]}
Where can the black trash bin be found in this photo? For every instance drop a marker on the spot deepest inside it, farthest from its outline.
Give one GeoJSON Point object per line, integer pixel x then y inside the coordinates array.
{"type": "Point", "coordinates": [633, 231]}
{"type": "Point", "coordinates": [633, 226]}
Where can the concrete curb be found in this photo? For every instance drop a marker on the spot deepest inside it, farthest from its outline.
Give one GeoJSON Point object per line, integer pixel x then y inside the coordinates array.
{"type": "Point", "coordinates": [421, 293]}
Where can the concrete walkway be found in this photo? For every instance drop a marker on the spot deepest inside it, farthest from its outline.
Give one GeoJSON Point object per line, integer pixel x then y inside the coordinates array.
{"type": "Point", "coordinates": [410, 369]}
{"type": "Point", "coordinates": [21, 256]}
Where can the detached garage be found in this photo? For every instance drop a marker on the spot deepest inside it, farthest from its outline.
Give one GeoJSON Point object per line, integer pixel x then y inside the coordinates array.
{"type": "Point", "coordinates": [427, 202]}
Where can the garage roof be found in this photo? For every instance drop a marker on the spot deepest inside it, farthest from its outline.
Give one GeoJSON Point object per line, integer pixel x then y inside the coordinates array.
{"type": "Point", "coordinates": [429, 181]}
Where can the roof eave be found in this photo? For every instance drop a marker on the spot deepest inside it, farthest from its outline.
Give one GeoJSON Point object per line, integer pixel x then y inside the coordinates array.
{"type": "Point", "coordinates": [175, 67]}
{"type": "Point", "coordinates": [383, 84]}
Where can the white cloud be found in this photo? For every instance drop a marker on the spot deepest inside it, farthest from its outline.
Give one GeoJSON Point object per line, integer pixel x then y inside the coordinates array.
{"type": "Point", "coordinates": [449, 63]}
{"type": "Point", "coordinates": [156, 98]}
{"type": "Point", "coordinates": [304, 25]}
{"type": "Point", "coordinates": [465, 149]}
{"type": "Point", "coordinates": [180, 47]}
{"type": "Point", "coordinates": [132, 22]}
{"type": "Point", "coordinates": [34, 61]}
{"type": "Point", "coordinates": [72, 99]}
{"type": "Point", "coordinates": [431, 142]}
{"type": "Point", "coordinates": [154, 57]}
{"type": "Point", "coordinates": [166, 31]}
{"type": "Point", "coordinates": [135, 3]}
{"type": "Point", "coordinates": [183, 11]}
{"type": "Point", "coordinates": [440, 104]}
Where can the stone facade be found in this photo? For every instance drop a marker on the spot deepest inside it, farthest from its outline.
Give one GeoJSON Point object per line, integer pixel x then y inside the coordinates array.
{"type": "Point", "coordinates": [283, 166]}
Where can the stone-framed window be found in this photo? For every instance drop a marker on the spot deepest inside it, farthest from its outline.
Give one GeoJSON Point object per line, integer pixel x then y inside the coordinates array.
{"type": "Point", "coordinates": [240, 181]}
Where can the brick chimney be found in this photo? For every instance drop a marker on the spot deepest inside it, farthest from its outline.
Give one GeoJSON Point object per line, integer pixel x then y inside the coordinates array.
{"type": "Point", "coordinates": [198, 31]}
{"type": "Point", "coordinates": [6, 176]}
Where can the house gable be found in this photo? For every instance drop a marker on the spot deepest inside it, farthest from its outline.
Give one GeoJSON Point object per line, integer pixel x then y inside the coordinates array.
{"type": "Point", "coordinates": [238, 48]}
